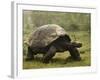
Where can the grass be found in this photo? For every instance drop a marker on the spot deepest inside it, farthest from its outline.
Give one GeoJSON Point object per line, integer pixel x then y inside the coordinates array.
{"type": "Point", "coordinates": [60, 59]}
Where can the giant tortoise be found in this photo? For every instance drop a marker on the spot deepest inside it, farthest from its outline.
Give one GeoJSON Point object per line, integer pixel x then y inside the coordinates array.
{"type": "Point", "coordinates": [49, 39]}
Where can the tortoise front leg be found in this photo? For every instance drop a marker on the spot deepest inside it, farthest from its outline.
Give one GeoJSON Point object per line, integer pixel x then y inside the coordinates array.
{"type": "Point", "coordinates": [74, 53]}
{"type": "Point", "coordinates": [48, 56]}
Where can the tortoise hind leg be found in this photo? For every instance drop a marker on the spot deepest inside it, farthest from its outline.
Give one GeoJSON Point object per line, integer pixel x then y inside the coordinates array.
{"type": "Point", "coordinates": [50, 53]}
{"type": "Point", "coordinates": [30, 55]}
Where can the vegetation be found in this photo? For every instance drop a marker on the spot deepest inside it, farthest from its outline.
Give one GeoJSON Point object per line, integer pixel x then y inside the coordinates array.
{"type": "Point", "coordinates": [76, 24]}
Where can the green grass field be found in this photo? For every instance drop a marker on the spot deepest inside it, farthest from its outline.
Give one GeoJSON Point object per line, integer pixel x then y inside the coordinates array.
{"type": "Point", "coordinates": [76, 24]}
{"type": "Point", "coordinates": [60, 59]}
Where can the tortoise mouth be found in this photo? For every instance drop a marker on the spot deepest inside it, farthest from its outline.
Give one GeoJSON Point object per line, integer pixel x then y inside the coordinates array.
{"type": "Point", "coordinates": [78, 45]}
{"type": "Point", "coordinates": [74, 45]}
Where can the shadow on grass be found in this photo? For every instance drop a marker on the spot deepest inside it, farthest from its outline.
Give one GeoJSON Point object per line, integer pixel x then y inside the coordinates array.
{"type": "Point", "coordinates": [54, 60]}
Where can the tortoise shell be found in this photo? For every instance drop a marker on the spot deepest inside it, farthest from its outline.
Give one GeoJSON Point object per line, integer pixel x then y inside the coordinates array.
{"type": "Point", "coordinates": [45, 34]}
